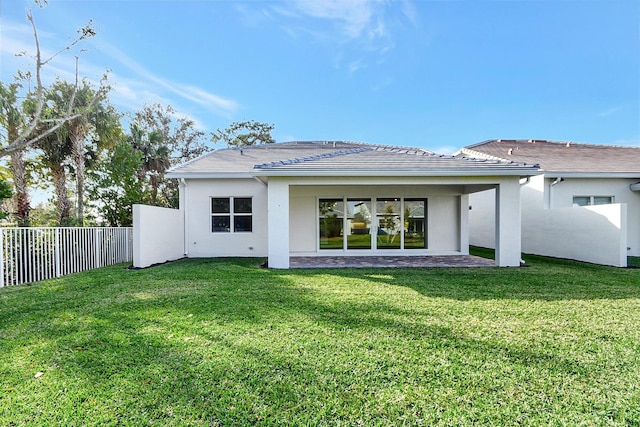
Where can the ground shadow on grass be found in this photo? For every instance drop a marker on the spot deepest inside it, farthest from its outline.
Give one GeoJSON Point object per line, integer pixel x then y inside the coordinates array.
{"type": "Point", "coordinates": [543, 279]}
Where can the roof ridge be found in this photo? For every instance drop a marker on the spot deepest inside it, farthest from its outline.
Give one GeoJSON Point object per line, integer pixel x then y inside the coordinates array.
{"type": "Point", "coordinates": [551, 142]}
{"type": "Point", "coordinates": [312, 158]}
{"type": "Point", "coordinates": [404, 150]}
{"type": "Point", "coordinates": [482, 156]}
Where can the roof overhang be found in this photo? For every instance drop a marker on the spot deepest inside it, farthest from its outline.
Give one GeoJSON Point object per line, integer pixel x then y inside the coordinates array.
{"type": "Point", "coordinates": [208, 175]}
{"type": "Point", "coordinates": [399, 173]}
{"type": "Point", "coordinates": [276, 172]}
{"type": "Point", "coordinates": [624, 175]}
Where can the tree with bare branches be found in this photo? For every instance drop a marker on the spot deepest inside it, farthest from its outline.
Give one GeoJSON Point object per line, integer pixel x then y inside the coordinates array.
{"type": "Point", "coordinates": [31, 131]}
{"type": "Point", "coordinates": [22, 115]}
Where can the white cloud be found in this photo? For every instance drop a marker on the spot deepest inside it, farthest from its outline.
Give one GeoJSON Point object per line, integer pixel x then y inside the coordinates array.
{"type": "Point", "coordinates": [610, 111]}
{"type": "Point", "coordinates": [132, 84]}
{"type": "Point", "coordinates": [144, 81]}
{"type": "Point", "coordinates": [348, 27]}
{"type": "Point", "coordinates": [410, 12]}
{"type": "Point", "coordinates": [354, 16]}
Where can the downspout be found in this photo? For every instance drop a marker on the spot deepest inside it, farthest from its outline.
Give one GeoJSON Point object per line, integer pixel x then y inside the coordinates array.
{"type": "Point", "coordinates": [526, 181]}
{"type": "Point", "coordinates": [185, 217]}
{"type": "Point", "coordinates": [554, 183]}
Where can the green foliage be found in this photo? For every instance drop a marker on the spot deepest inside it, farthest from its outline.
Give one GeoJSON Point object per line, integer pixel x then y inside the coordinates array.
{"type": "Point", "coordinates": [116, 185]}
{"type": "Point", "coordinates": [223, 342]}
{"type": "Point", "coordinates": [241, 134]}
{"type": "Point", "coordinates": [11, 112]}
{"type": "Point", "coordinates": [179, 133]}
{"type": "Point", "coordinates": [5, 193]}
{"type": "Point", "coordinates": [45, 215]}
{"type": "Point", "coordinates": [167, 139]}
{"type": "Point", "coordinates": [154, 153]}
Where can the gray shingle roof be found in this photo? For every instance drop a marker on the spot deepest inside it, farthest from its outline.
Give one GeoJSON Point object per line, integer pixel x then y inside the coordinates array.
{"type": "Point", "coordinates": [560, 156]}
{"type": "Point", "coordinates": [336, 157]}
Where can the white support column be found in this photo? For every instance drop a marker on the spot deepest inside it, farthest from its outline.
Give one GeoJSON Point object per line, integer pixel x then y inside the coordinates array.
{"type": "Point", "coordinates": [508, 220]}
{"type": "Point", "coordinates": [624, 235]}
{"type": "Point", "coordinates": [464, 224]}
{"type": "Point", "coordinates": [278, 220]}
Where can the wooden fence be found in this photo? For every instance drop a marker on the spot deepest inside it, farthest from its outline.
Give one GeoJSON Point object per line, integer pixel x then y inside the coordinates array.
{"type": "Point", "coordinates": [40, 253]}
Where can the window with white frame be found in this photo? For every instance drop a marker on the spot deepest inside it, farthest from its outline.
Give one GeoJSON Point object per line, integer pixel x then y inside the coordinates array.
{"type": "Point", "coordinates": [592, 200]}
{"type": "Point", "coordinates": [231, 215]}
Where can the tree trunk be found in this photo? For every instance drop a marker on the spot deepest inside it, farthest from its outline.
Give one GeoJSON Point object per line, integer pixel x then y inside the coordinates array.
{"type": "Point", "coordinates": [62, 199]}
{"type": "Point", "coordinates": [154, 189]}
{"type": "Point", "coordinates": [19, 171]}
{"type": "Point", "coordinates": [77, 135]}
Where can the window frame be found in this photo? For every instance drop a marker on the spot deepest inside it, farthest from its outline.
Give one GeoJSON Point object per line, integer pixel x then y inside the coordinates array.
{"type": "Point", "coordinates": [592, 199]}
{"type": "Point", "coordinates": [231, 214]}
{"type": "Point", "coordinates": [345, 218]}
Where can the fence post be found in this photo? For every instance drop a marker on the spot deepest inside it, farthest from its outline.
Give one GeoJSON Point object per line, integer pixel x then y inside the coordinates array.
{"type": "Point", "coordinates": [97, 247]}
{"type": "Point", "coordinates": [57, 252]}
{"type": "Point", "coordinates": [128, 237]}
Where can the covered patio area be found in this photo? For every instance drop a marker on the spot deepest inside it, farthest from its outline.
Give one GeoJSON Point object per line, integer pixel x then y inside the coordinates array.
{"type": "Point", "coordinates": [427, 261]}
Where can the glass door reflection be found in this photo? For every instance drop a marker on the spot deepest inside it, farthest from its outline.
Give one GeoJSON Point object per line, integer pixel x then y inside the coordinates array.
{"type": "Point", "coordinates": [388, 224]}
{"type": "Point", "coordinates": [358, 224]}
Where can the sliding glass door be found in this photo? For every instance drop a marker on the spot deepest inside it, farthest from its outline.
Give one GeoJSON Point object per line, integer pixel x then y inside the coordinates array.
{"type": "Point", "coordinates": [382, 224]}
{"type": "Point", "coordinates": [331, 221]}
{"type": "Point", "coordinates": [358, 223]}
{"type": "Point", "coordinates": [388, 219]}
{"type": "Point", "coordinates": [415, 236]}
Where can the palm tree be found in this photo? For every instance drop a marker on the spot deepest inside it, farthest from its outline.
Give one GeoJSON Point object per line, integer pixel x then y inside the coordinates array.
{"type": "Point", "coordinates": [56, 149]}
{"type": "Point", "coordinates": [11, 118]}
{"type": "Point", "coordinates": [155, 157]}
{"type": "Point", "coordinates": [97, 127]}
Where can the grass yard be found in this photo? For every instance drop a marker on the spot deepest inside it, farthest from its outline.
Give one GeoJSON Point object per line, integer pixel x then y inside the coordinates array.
{"type": "Point", "coordinates": [223, 342]}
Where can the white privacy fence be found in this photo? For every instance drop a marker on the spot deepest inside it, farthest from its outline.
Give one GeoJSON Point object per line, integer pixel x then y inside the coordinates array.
{"type": "Point", "coordinates": [40, 253]}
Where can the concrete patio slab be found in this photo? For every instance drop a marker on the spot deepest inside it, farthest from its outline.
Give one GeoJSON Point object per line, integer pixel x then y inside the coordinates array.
{"type": "Point", "coordinates": [389, 261]}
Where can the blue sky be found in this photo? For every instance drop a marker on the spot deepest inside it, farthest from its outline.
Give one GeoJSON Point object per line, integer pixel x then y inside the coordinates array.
{"type": "Point", "coordinates": [433, 74]}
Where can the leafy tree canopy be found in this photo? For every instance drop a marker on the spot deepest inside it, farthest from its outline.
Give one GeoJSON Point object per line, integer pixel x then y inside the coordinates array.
{"type": "Point", "coordinates": [242, 134]}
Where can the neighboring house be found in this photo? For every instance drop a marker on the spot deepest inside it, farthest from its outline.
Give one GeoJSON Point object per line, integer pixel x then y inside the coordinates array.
{"type": "Point", "coordinates": [329, 198]}
{"type": "Point", "coordinates": [585, 205]}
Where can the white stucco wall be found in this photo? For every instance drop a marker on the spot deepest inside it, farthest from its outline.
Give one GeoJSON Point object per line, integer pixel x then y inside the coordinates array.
{"type": "Point", "coordinates": [562, 196]}
{"type": "Point", "coordinates": [201, 242]}
{"type": "Point", "coordinates": [447, 213]}
{"type": "Point", "coordinates": [158, 235]}
{"type": "Point", "coordinates": [552, 227]}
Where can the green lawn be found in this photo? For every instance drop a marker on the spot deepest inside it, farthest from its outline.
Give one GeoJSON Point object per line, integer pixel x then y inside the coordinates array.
{"type": "Point", "coordinates": [223, 342]}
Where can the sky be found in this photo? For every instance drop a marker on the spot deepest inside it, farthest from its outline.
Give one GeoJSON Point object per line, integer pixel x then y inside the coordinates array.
{"type": "Point", "coordinates": [438, 75]}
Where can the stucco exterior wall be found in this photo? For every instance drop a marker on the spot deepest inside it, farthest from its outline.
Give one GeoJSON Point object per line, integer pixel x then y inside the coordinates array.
{"type": "Point", "coordinates": [158, 235]}
{"type": "Point", "coordinates": [291, 203]}
{"type": "Point", "coordinates": [552, 226]}
{"type": "Point", "coordinates": [563, 192]}
{"type": "Point", "coordinates": [201, 242]}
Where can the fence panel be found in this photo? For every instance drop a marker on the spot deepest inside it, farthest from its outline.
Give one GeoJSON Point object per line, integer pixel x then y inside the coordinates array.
{"type": "Point", "coordinates": [40, 253]}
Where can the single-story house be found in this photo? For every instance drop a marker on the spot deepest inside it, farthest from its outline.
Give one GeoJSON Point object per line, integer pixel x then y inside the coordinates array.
{"type": "Point", "coordinates": [336, 198]}
{"type": "Point", "coordinates": [584, 205]}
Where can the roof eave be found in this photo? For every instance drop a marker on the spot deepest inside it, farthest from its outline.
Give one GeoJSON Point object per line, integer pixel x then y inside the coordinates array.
{"type": "Point", "coordinates": [205, 175]}
{"type": "Point", "coordinates": [522, 172]}
{"type": "Point", "coordinates": [560, 174]}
